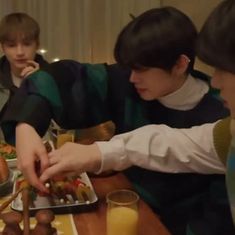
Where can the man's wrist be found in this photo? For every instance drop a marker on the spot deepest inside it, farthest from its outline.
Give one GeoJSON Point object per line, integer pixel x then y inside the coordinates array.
{"type": "Point", "coordinates": [95, 158]}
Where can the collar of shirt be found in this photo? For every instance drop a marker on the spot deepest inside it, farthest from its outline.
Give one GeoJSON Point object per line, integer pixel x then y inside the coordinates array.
{"type": "Point", "coordinates": [16, 80]}
{"type": "Point", "coordinates": [187, 96]}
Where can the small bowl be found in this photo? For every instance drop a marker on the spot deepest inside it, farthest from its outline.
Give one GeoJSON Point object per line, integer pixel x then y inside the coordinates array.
{"type": "Point", "coordinates": [7, 186]}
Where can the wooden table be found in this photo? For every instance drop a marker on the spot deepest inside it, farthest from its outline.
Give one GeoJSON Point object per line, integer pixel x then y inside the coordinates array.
{"type": "Point", "coordinates": [94, 222]}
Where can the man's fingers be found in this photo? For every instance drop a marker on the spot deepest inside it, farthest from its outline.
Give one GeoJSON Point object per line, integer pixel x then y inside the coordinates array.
{"type": "Point", "coordinates": [44, 161]}
{"type": "Point", "coordinates": [33, 179]}
{"type": "Point", "coordinates": [32, 63]}
{"type": "Point", "coordinates": [31, 67]}
{"type": "Point", "coordinates": [50, 172]}
{"type": "Point", "coordinates": [27, 71]}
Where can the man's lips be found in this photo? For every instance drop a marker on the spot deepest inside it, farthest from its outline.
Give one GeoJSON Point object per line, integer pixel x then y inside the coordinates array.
{"type": "Point", "coordinates": [140, 90]}
{"type": "Point", "coordinates": [21, 61]}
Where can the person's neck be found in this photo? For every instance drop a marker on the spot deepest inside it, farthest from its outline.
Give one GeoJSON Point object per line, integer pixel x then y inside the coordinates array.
{"type": "Point", "coordinates": [178, 82]}
{"type": "Point", "coordinates": [16, 79]}
{"type": "Point", "coordinates": [16, 71]}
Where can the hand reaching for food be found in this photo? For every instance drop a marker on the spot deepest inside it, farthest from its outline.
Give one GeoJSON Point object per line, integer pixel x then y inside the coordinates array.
{"type": "Point", "coordinates": [35, 152]}
{"type": "Point", "coordinates": [72, 158]}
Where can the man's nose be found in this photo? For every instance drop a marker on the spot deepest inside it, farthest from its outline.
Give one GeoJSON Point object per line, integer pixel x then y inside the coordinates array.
{"type": "Point", "coordinates": [133, 77]}
{"type": "Point", "coordinates": [19, 50]}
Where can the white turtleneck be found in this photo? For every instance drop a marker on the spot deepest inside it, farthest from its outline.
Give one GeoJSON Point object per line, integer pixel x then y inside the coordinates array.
{"type": "Point", "coordinates": [187, 96]}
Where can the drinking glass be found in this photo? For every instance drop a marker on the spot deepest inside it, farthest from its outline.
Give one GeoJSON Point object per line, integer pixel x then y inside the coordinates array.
{"type": "Point", "coordinates": [122, 212]}
{"type": "Point", "coordinates": [60, 136]}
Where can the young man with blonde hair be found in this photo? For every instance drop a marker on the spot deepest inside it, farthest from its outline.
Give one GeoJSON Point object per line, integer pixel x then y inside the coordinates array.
{"type": "Point", "coordinates": [19, 41]}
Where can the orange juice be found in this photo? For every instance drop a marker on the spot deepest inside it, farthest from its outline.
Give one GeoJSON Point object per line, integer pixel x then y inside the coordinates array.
{"type": "Point", "coordinates": [63, 138]}
{"type": "Point", "coordinates": [122, 220]}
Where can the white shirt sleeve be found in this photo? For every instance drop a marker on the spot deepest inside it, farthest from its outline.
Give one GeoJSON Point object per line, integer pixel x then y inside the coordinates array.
{"type": "Point", "coordinates": [164, 149]}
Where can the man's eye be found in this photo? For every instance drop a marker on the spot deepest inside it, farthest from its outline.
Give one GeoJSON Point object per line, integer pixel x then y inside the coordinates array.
{"type": "Point", "coordinates": [10, 45]}
{"type": "Point", "coordinates": [27, 43]}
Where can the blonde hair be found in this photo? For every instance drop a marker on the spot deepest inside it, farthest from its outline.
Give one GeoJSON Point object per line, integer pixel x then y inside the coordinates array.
{"type": "Point", "coordinates": [21, 25]}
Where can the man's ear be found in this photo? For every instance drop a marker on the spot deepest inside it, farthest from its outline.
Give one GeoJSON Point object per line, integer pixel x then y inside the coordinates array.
{"type": "Point", "coordinates": [181, 65]}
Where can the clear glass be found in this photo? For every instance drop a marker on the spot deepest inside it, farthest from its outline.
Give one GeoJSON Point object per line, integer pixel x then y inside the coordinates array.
{"type": "Point", "coordinates": [61, 136]}
{"type": "Point", "coordinates": [122, 212]}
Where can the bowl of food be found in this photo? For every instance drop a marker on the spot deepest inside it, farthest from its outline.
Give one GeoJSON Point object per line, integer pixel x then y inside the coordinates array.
{"type": "Point", "coordinates": [8, 152]}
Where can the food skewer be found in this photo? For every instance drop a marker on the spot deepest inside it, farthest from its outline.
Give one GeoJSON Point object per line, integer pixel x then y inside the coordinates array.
{"type": "Point", "coordinates": [12, 198]}
{"type": "Point", "coordinates": [25, 201]}
{"type": "Point", "coordinates": [61, 194]}
{"type": "Point", "coordinates": [85, 197]}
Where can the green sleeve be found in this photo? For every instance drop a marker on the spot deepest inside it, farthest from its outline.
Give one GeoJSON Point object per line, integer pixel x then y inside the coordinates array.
{"type": "Point", "coordinates": [74, 95]}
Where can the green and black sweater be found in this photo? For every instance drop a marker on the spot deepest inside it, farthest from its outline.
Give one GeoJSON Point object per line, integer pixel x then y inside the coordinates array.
{"type": "Point", "coordinates": [82, 95]}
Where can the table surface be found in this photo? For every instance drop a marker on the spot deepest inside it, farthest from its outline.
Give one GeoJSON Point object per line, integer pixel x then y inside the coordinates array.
{"type": "Point", "coordinates": [95, 221]}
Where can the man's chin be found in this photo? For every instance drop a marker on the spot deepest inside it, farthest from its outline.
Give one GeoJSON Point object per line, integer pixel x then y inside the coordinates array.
{"type": "Point", "coordinates": [145, 95]}
{"type": "Point", "coordinates": [20, 67]}
{"type": "Point", "coordinates": [146, 98]}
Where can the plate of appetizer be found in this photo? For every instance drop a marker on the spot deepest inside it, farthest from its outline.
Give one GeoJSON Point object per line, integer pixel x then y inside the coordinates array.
{"type": "Point", "coordinates": [9, 153]}
{"type": "Point", "coordinates": [67, 194]}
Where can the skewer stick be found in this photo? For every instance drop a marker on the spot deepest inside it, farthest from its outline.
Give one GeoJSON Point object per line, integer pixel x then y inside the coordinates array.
{"type": "Point", "coordinates": [25, 200]}
{"type": "Point", "coordinates": [13, 197]}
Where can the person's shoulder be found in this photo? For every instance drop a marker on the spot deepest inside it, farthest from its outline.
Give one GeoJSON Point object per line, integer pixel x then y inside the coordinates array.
{"type": "Point", "coordinates": [4, 63]}
{"type": "Point", "coordinates": [5, 72]}
{"type": "Point", "coordinates": [3, 58]}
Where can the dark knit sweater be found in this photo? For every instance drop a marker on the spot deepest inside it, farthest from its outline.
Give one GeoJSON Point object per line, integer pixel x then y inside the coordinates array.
{"type": "Point", "coordinates": [6, 81]}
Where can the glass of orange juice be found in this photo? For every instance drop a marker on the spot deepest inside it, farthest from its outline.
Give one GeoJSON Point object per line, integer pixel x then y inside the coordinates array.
{"type": "Point", "coordinates": [61, 136]}
{"type": "Point", "coordinates": [64, 136]}
{"type": "Point", "coordinates": [122, 212]}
